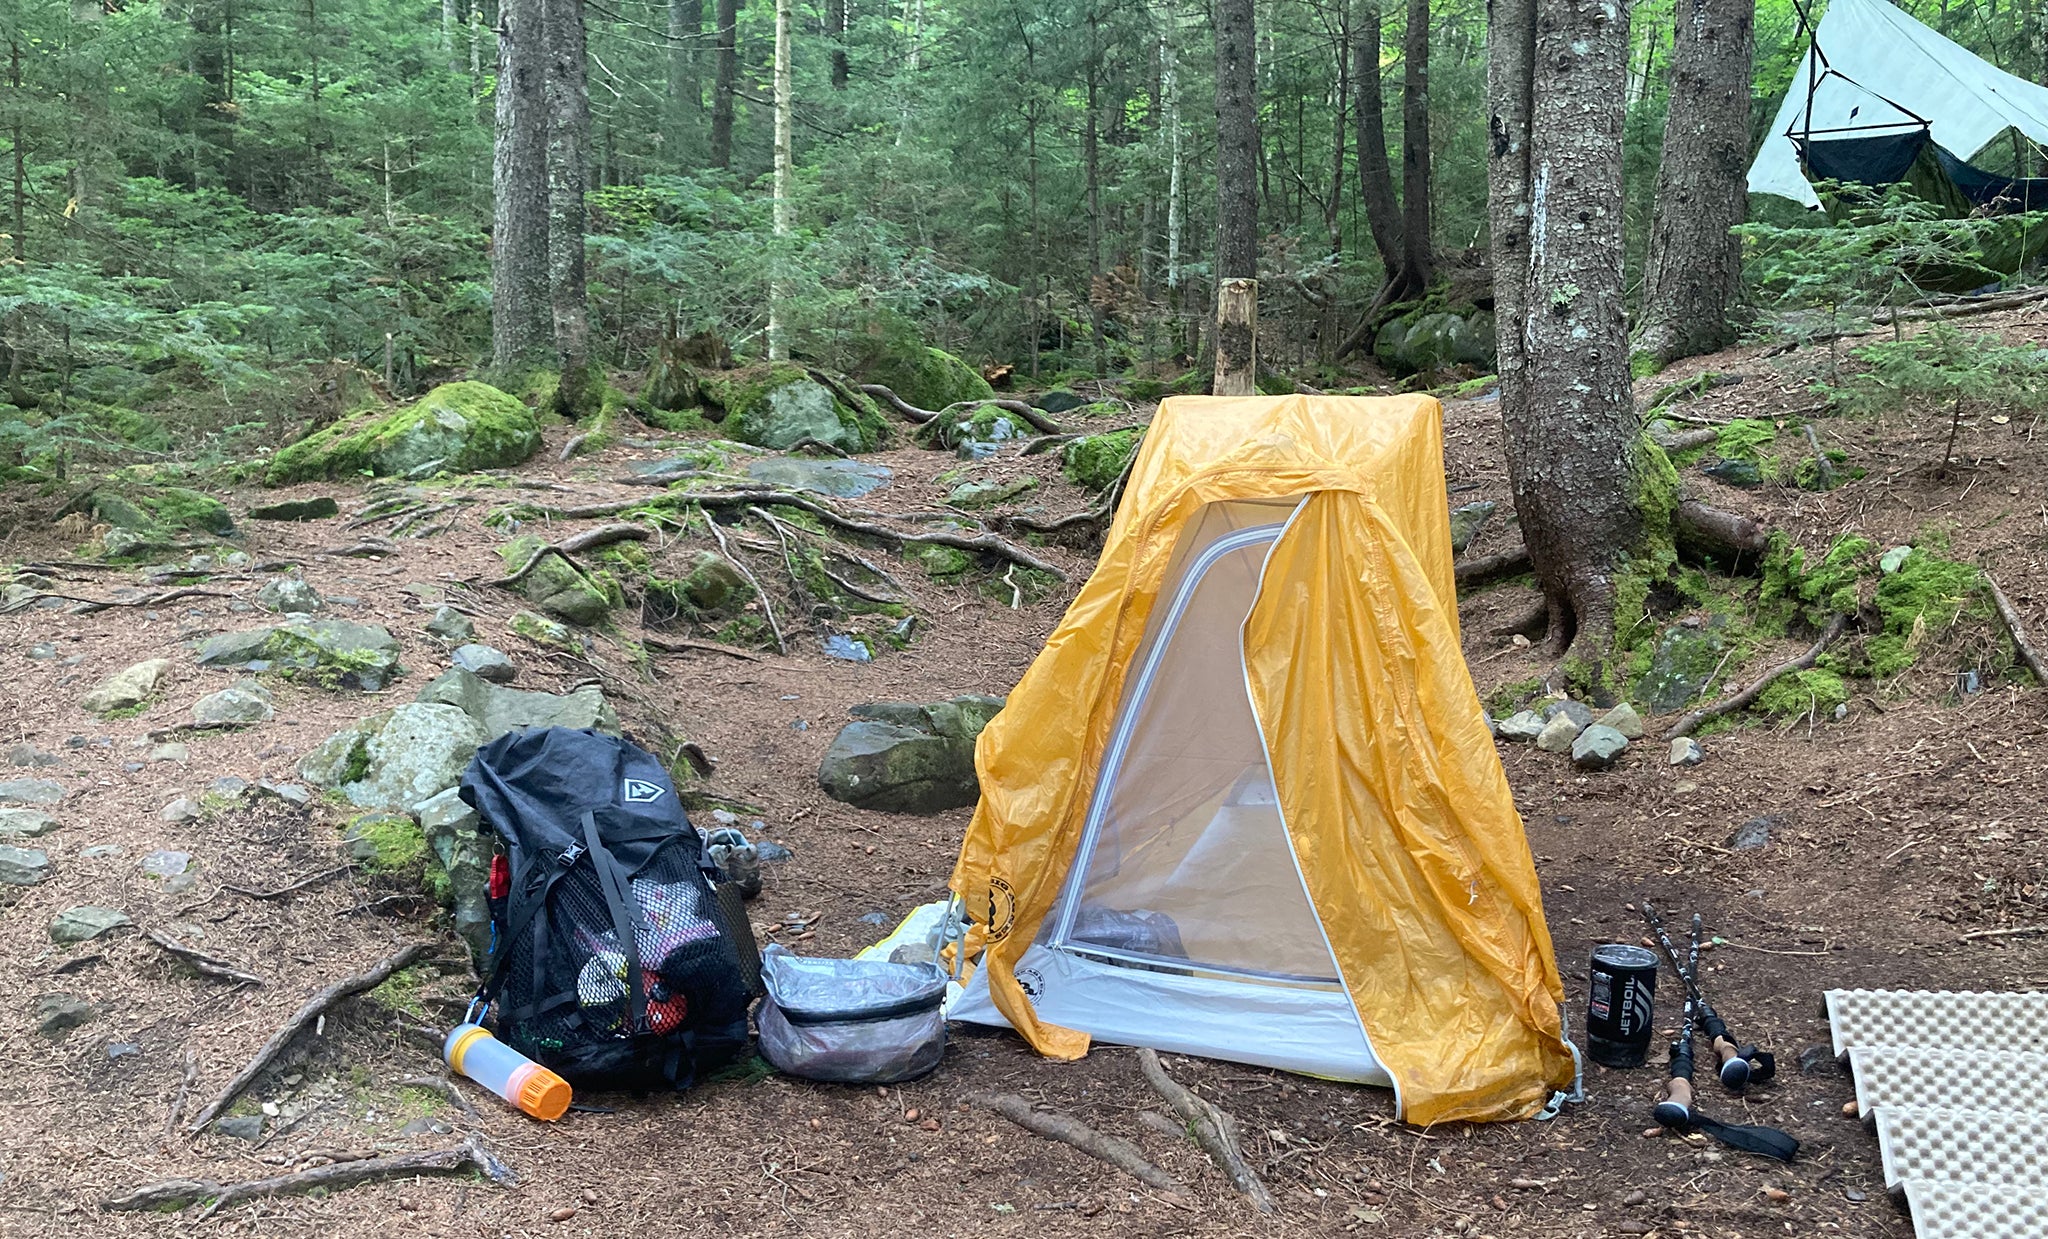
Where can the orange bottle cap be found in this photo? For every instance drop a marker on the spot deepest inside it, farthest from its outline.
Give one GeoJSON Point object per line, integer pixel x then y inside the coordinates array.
{"type": "Point", "coordinates": [541, 1092]}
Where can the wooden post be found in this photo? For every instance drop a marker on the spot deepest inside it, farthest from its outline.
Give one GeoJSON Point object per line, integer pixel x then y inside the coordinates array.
{"type": "Point", "coordinates": [1237, 338]}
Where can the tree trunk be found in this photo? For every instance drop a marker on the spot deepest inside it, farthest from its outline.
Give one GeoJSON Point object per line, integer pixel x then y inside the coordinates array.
{"type": "Point", "coordinates": [1237, 338]}
{"type": "Point", "coordinates": [1375, 173]}
{"type": "Point", "coordinates": [1418, 255]}
{"type": "Point", "coordinates": [1169, 90]}
{"type": "Point", "coordinates": [726, 81]}
{"type": "Point", "coordinates": [521, 317]}
{"type": "Point", "coordinates": [568, 156]}
{"type": "Point", "coordinates": [785, 185]}
{"type": "Point", "coordinates": [451, 21]}
{"type": "Point", "coordinates": [1694, 270]}
{"type": "Point", "coordinates": [1237, 202]}
{"type": "Point", "coordinates": [20, 220]}
{"type": "Point", "coordinates": [1557, 72]}
{"type": "Point", "coordinates": [685, 87]}
{"type": "Point", "coordinates": [1091, 165]}
{"type": "Point", "coordinates": [835, 30]}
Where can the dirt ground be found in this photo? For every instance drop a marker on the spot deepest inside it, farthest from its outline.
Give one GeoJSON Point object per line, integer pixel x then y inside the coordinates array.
{"type": "Point", "coordinates": [1912, 821]}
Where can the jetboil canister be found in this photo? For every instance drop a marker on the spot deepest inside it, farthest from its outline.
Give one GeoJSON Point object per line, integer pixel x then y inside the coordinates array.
{"type": "Point", "coordinates": [1624, 984]}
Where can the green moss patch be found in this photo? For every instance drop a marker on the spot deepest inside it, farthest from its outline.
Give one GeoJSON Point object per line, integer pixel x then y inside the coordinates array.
{"type": "Point", "coordinates": [557, 587]}
{"type": "Point", "coordinates": [1096, 461]}
{"type": "Point", "coordinates": [778, 405]}
{"type": "Point", "coordinates": [1816, 691]}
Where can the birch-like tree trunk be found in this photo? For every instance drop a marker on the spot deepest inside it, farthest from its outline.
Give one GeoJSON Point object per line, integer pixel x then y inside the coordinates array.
{"type": "Point", "coordinates": [568, 156]}
{"type": "Point", "coordinates": [451, 21]}
{"type": "Point", "coordinates": [1694, 270]}
{"type": "Point", "coordinates": [522, 325]}
{"type": "Point", "coordinates": [1169, 91]}
{"type": "Point", "coordinates": [785, 185]}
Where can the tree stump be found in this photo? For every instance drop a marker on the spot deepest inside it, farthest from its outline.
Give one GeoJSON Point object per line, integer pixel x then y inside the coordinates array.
{"type": "Point", "coordinates": [1237, 338]}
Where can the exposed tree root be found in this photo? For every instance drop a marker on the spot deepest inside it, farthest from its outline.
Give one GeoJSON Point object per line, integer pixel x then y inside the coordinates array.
{"type": "Point", "coordinates": [739, 565]}
{"type": "Point", "coordinates": [603, 535]}
{"type": "Point", "coordinates": [293, 889]}
{"type": "Point", "coordinates": [178, 1193]}
{"type": "Point", "coordinates": [568, 451]}
{"type": "Point", "coordinates": [2017, 629]}
{"type": "Point", "coordinates": [1213, 1129]}
{"type": "Point", "coordinates": [1742, 700]}
{"type": "Point", "coordinates": [680, 645]}
{"type": "Point", "coordinates": [185, 1081]}
{"type": "Point", "coordinates": [444, 1086]}
{"type": "Point", "coordinates": [819, 445]}
{"type": "Point", "coordinates": [1037, 420]}
{"type": "Point", "coordinates": [87, 606]}
{"type": "Point", "coordinates": [1094, 516]}
{"type": "Point", "coordinates": [314, 1007]}
{"type": "Point", "coordinates": [1071, 1131]}
{"type": "Point", "coordinates": [1718, 531]}
{"type": "Point", "coordinates": [1490, 568]}
{"type": "Point", "coordinates": [910, 412]}
{"type": "Point", "coordinates": [201, 962]}
{"type": "Point", "coordinates": [1686, 439]}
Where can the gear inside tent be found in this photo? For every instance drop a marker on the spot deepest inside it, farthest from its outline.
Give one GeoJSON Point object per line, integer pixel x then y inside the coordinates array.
{"type": "Point", "coordinates": [1245, 803]}
{"type": "Point", "coordinates": [1880, 98]}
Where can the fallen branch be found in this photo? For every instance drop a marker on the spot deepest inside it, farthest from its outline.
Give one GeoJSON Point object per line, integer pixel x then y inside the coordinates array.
{"type": "Point", "coordinates": [179, 1193]}
{"type": "Point", "coordinates": [185, 1081]}
{"type": "Point", "coordinates": [1213, 1129]}
{"type": "Point", "coordinates": [2016, 628]}
{"type": "Point", "coordinates": [1489, 568]}
{"type": "Point", "coordinates": [683, 645]}
{"type": "Point", "coordinates": [820, 445]}
{"type": "Point", "coordinates": [1037, 420]}
{"type": "Point", "coordinates": [293, 889]}
{"type": "Point", "coordinates": [1687, 439]}
{"type": "Point", "coordinates": [314, 1008]}
{"type": "Point", "coordinates": [568, 452]}
{"type": "Point", "coordinates": [1717, 529]}
{"type": "Point", "coordinates": [202, 962]}
{"type": "Point", "coordinates": [88, 606]}
{"type": "Point", "coordinates": [1742, 700]}
{"type": "Point", "coordinates": [2016, 931]}
{"type": "Point", "coordinates": [603, 535]}
{"type": "Point", "coordinates": [367, 548]}
{"type": "Point", "coordinates": [1072, 1132]}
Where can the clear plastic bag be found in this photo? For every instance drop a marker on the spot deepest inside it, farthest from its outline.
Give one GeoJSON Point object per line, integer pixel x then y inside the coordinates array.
{"type": "Point", "coordinates": [851, 1021]}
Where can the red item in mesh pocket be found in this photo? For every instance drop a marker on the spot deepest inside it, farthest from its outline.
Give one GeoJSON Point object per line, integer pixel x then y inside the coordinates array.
{"type": "Point", "coordinates": [501, 877]}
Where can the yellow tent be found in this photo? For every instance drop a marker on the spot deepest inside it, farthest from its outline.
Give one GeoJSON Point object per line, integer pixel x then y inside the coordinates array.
{"type": "Point", "coordinates": [1245, 804]}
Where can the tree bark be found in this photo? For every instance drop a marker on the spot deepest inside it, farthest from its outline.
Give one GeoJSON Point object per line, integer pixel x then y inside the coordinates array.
{"type": "Point", "coordinates": [1237, 185]}
{"type": "Point", "coordinates": [1694, 270]}
{"type": "Point", "coordinates": [835, 30]}
{"type": "Point", "coordinates": [451, 21]}
{"type": "Point", "coordinates": [1091, 165]}
{"type": "Point", "coordinates": [1237, 338]}
{"type": "Point", "coordinates": [785, 184]}
{"type": "Point", "coordinates": [568, 153]}
{"type": "Point", "coordinates": [1375, 173]}
{"type": "Point", "coordinates": [1557, 77]}
{"type": "Point", "coordinates": [685, 86]}
{"type": "Point", "coordinates": [522, 324]}
{"type": "Point", "coordinates": [725, 83]}
{"type": "Point", "coordinates": [1418, 255]}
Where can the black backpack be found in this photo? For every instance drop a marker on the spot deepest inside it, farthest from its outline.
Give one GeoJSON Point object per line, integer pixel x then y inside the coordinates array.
{"type": "Point", "coordinates": [611, 962]}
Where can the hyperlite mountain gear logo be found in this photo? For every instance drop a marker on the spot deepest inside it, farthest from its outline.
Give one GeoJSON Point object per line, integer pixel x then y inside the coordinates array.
{"type": "Point", "coordinates": [640, 791]}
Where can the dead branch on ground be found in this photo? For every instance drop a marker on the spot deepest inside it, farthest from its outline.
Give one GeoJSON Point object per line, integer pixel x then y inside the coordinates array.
{"type": "Point", "coordinates": [1686, 439]}
{"type": "Point", "coordinates": [568, 451]}
{"type": "Point", "coordinates": [1070, 1131]}
{"type": "Point", "coordinates": [185, 1082]}
{"type": "Point", "coordinates": [88, 606]}
{"type": "Point", "coordinates": [767, 609]}
{"type": "Point", "coordinates": [603, 535]}
{"type": "Point", "coordinates": [2016, 628]}
{"type": "Point", "coordinates": [682, 645]}
{"type": "Point", "coordinates": [314, 1008]}
{"type": "Point", "coordinates": [1211, 1127]}
{"type": "Point", "coordinates": [1035, 419]}
{"type": "Point", "coordinates": [201, 962]}
{"type": "Point", "coordinates": [1742, 700]}
{"type": "Point", "coordinates": [293, 889]}
{"type": "Point", "coordinates": [1885, 318]}
{"type": "Point", "coordinates": [1718, 529]}
{"type": "Point", "coordinates": [179, 1193]}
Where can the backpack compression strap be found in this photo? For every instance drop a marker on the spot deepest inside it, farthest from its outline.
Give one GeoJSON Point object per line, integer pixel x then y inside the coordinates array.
{"type": "Point", "coordinates": [624, 920]}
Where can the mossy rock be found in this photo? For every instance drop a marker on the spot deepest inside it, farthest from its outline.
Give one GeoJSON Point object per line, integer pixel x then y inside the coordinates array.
{"type": "Point", "coordinates": [778, 405]}
{"type": "Point", "coordinates": [977, 427]}
{"type": "Point", "coordinates": [1924, 594]}
{"type": "Point", "coordinates": [671, 384]}
{"type": "Point", "coordinates": [710, 589]}
{"type": "Point", "coordinates": [1096, 461]}
{"type": "Point", "coordinates": [157, 510]}
{"type": "Point", "coordinates": [557, 588]}
{"type": "Point", "coordinates": [1434, 337]}
{"type": "Point", "coordinates": [455, 428]}
{"type": "Point", "coordinates": [541, 630]}
{"type": "Point", "coordinates": [386, 843]}
{"type": "Point", "coordinates": [929, 378]}
{"type": "Point", "coordinates": [941, 563]}
{"type": "Point", "coordinates": [1816, 690]}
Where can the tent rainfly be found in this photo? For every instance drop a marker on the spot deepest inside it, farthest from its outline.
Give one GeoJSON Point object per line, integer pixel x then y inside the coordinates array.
{"type": "Point", "coordinates": [1874, 88]}
{"type": "Point", "coordinates": [1245, 804]}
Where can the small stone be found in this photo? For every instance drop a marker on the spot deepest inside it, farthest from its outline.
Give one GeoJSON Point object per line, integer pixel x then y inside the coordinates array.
{"type": "Point", "coordinates": [1841, 711]}
{"type": "Point", "coordinates": [294, 794]}
{"type": "Point", "coordinates": [130, 767]}
{"type": "Point", "coordinates": [1635, 1197]}
{"type": "Point", "coordinates": [1739, 473]}
{"type": "Point", "coordinates": [247, 702]}
{"type": "Point", "coordinates": [450, 624]}
{"type": "Point", "coordinates": [183, 809]}
{"type": "Point", "coordinates": [1523, 725]}
{"type": "Point", "coordinates": [1577, 711]}
{"type": "Point", "coordinates": [1624, 719]}
{"type": "Point", "coordinates": [296, 510]}
{"type": "Point", "coordinates": [23, 866]}
{"type": "Point", "coordinates": [1686, 751]}
{"type": "Point", "coordinates": [1894, 559]}
{"type": "Point", "coordinates": [874, 918]}
{"type": "Point", "coordinates": [1559, 733]}
{"type": "Point", "coordinates": [42, 650]}
{"type": "Point", "coordinates": [172, 751]}
{"type": "Point", "coordinates": [1854, 1197]}
{"type": "Point", "coordinates": [102, 851]}
{"type": "Point", "coordinates": [86, 922]}
{"type": "Point", "coordinates": [1598, 747]}
{"type": "Point", "coordinates": [1776, 1195]}
{"type": "Point", "coordinates": [122, 1049]}
{"type": "Point", "coordinates": [241, 1127]}
{"type": "Point", "coordinates": [30, 755]}
{"type": "Point", "coordinates": [57, 1014]}
{"type": "Point", "coordinates": [848, 649]}
{"type": "Point", "coordinates": [1969, 683]}
{"type": "Point", "coordinates": [26, 823]}
{"type": "Point", "coordinates": [541, 630]}
{"type": "Point", "coordinates": [1817, 1060]}
{"type": "Point", "coordinates": [271, 1109]}
{"type": "Point", "coordinates": [772, 853]}
{"type": "Point", "coordinates": [1753, 834]}
{"type": "Point", "coordinates": [289, 594]}
{"type": "Point", "coordinates": [124, 690]}
{"type": "Point", "coordinates": [485, 663]}
{"type": "Point", "coordinates": [166, 863]}
{"type": "Point", "coordinates": [562, 1214]}
{"type": "Point", "coordinates": [425, 1127]}
{"type": "Point", "coordinates": [228, 787]}
{"type": "Point", "coordinates": [1466, 522]}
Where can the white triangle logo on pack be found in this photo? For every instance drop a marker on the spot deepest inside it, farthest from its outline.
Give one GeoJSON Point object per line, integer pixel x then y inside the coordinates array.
{"type": "Point", "coordinates": [640, 791]}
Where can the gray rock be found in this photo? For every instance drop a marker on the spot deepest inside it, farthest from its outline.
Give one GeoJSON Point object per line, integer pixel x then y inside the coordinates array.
{"type": "Point", "coordinates": [1559, 733]}
{"type": "Point", "coordinates": [463, 845]}
{"type": "Point", "coordinates": [1521, 725]}
{"type": "Point", "coordinates": [450, 624]}
{"type": "Point", "coordinates": [124, 690]}
{"type": "Point", "coordinates": [26, 824]}
{"type": "Point", "coordinates": [497, 710]}
{"type": "Point", "coordinates": [42, 650]}
{"type": "Point", "coordinates": [553, 584]}
{"type": "Point", "coordinates": [30, 791]}
{"type": "Point", "coordinates": [296, 510]}
{"type": "Point", "coordinates": [241, 1127]}
{"type": "Point", "coordinates": [23, 866]}
{"type": "Point", "coordinates": [102, 851]}
{"type": "Point", "coordinates": [289, 594]}
{"type": "Point", "coordinates": [293, 794]}
{"type": "Point", "coordinates": [173, 751]}
{"type": "Point", "coordinates": [1818, 1060]}
{"type": "Point", "coordinates": [989, 494]}
{"type": "Point", "coordinates": [1739, 473]}
{"type": "Point", "coordinates": [541, 630]}
{"type": "Point", "coordinates": [166, 863]}
{"type": "Point", "coordinates": [848, 649]}
{"type": "Point", "coordinates": [183, 809]}
{"type": "Point", "coordinates": [247, 702]}
{"type": "Point", "coordinates": [122, 1049]}
{"type": "Point", "coordinates": [841, 479]}
{"type": "Point", "coordinates": [396, 759]}
{"type": "Point", "coordinates": [1467, 521]}
{"type": "Point", "coordinates": [1685, 658]}
{"type": "Point", "coordinates": [228, 787]}
{"type": "Point", "coordinates": [30, 755]}
{"type": "Point", "coordinates": [1578, 711]}
{"type": "Point", "coordinates": [332, 652]}
{"type": "Point", "coordinates": [57, 1014]}
{"type": "Point", "coordinates": [1624, 719]}
{"type": "Point", "coordinates": [86, 922]}
{"type": "Point", "coordinates": [1598, 747]}
{"type": "Point", "coordinates": [1686, 751]}
{"type": "Point", "coordinates": [793, 412]}
{"type": "Point", "coordinates": [485, 662]}
{"type": "Point", "coordinates": [1754, 833]}
{"type": "Point", "coordinates": [907, 758]}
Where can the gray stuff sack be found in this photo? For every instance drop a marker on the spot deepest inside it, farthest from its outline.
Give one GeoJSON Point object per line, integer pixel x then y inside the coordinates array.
{"type": "Point", "coordinates": [851, 1021]}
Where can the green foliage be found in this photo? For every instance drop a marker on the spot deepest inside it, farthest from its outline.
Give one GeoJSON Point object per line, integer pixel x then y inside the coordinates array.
{"type": "Point", "coordinates": [1803, 692]}
{"type": "Point", "coordinates": [1509, 698]}
{"type": "Point", "coordinates": [1094, 462]}
{"type": "Point", "coordinates": [1791, 590]}
{"type": "Point", "coordinates": [1923, 598]}
{"type": "Point", "coordinates": [1944, 366]}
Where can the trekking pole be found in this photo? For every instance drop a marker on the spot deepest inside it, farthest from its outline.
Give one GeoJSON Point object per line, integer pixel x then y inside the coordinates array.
{"type": "Point", "coordinates": [1674, 1109]}
{"type": "Point", "coordinates": [1738, 1064]}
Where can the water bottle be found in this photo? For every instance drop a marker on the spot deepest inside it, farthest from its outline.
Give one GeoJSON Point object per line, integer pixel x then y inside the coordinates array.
{"type": "Point", "coordinates": [472, 1051]}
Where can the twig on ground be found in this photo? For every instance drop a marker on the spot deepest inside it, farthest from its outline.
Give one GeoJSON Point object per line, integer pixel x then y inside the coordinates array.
{"type": "Point", "coordinates": [1071, 1131]}
{"type": "Point", "coordinates": [2015, 931]}
{"type": "Point", "coordinates": [820, 445]}
{"type": "Point", "coordinates": [365, 549]}
{"type": "Point", "coordinates": [1823, 468]}
{"type": "Point", "coordinates": [179, 1193]}
{"type": "Point", "coordinates": [202, 962]}
{"type": "Point", "coordinates": [293, 889]}
{"type": "Point", "coordinates": [767, 608]}
{"type": "Point", "coordinates": [683, 645]}
{"type": "Point", "coordinates": [1741, 701]}
{"type": "Point", "coordinates": [1213, 1129]}
{"type": "Point", "coordinates": [2017, 629]}
{"type": "Point", "coordinates": [313, 1008]}
{"type": "Point", "coordinates": [185, 1081]}
{"type": "Point", "coordinates": [87, 606]}
{"type": "Point", "coordinates": [444, 1086]}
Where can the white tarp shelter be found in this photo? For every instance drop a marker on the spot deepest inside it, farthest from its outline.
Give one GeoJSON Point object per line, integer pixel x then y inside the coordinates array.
{"type": "Point", "coordinates": [1872, 69]}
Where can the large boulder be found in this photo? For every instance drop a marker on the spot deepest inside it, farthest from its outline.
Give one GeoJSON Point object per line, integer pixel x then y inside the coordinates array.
{"type": "Point", "coordinates": [929, 378]}
{"type": "Point", "coordinates": [554, 585]}
{"type": "Point", "coordinates": [496, 709]}
{"type": "Point", "coordinates": [455, 428]}
{"type": "Point", "coordinates": [1418, 342]}
{"type": "Point", "coordinates": [1095, 462]}
{"type": "Point", "coordinates": [398, 759]}
{"type": "Point", "coordinates": [460, 875]}
{"type": "Point", "coordinates": [905, 758]}
{"type": "Point", "coordinates": [973, 431]}
{"type": "Point", "coordinates": [335, 653]}
{"type": "Point", "coordinates": [780, 405]}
